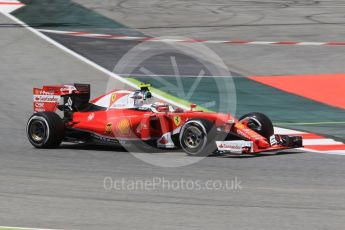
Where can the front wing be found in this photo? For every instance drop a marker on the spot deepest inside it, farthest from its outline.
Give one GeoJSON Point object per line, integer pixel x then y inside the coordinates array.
{"type": "Point", "coordinates": [277, 142]}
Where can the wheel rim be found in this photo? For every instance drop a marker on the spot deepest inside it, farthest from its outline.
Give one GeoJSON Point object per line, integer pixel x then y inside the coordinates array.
{"type": "Point", "coordinates": [193, 137]}
{"type": "Point", "coordinates": [37, 131]}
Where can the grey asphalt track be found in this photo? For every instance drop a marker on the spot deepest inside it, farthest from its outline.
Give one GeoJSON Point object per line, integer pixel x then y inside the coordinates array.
{"type": "Point", "coordinates": [63, 188]}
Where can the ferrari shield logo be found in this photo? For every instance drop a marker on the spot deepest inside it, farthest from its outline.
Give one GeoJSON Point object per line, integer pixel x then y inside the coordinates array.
{"type": "Point", "coordinates": [177, 120]}
{"type": "Point", "coordinates": [113, 97]}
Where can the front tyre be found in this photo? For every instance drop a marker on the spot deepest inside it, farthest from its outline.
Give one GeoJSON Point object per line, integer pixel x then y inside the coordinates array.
{"type": "Point", "coordinates": [197, 138]}
{"type": "Point", "coordinates": [45, 130]}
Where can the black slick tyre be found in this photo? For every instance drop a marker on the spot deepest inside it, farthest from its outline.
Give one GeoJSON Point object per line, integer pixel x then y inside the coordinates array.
{"type": "Point", "coordinates": [197, 137]}
{"type": "Point", "coordinates": [45, 130]}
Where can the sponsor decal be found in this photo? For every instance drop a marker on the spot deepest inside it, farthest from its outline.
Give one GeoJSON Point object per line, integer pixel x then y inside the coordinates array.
{"type": "Point", "coordinates": [113, 97]}
{"type": "Point", "coordinates": [177, 120]}
{"type": "Point", "coordinates": [109, 128]}
{"type": "Point", "coordinates": [39, 105]}
{"type": "Point", "coordinates": [234, 146]}
{"type": "Point", "coordinates": [273, 140]}
{"type": "Point", "coordinates": [46, 98]}
{"type": "Point", "coordinates": [68, 89]}
{"type": "Point", "coordinates": [69, 103]}
{"type": "Point", "coordinates": [230, 146]}
{"type": "Point", "coordinates": [239, 125]}
{"type": "Point", "coordinates": [124, 127]}
{"type": "Point", "coordinates": [42, 92]}
{"type": "Point", "coordinates": [43, 106]}
{"type": "Point", "coordinates": [91, 117]}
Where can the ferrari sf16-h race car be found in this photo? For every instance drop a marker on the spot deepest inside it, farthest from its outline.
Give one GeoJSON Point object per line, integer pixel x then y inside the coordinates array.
{"type": "Point", "coordinates": [134, 119]}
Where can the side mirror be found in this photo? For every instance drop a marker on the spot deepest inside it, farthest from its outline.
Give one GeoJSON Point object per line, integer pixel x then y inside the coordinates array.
{"type": "Point", "coordinates": [192, 106]}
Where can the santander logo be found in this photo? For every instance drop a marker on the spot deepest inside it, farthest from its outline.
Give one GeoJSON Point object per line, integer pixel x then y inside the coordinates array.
{"type": "Point", "coordinates": [226, 146]}
{"type": "Point", "coordinates": [235, 146]}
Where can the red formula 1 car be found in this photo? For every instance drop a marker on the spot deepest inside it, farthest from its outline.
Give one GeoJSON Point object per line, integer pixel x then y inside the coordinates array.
{"type": "Point", "coordinates": [134, 119]}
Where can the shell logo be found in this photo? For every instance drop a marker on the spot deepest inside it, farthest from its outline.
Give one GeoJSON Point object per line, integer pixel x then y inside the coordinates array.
{"type": "Point", "coordinates": [124, 127]}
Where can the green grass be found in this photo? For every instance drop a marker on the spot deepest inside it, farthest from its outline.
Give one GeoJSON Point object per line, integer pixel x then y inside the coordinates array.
{"type": "Point", "coordinates": [11, 228]}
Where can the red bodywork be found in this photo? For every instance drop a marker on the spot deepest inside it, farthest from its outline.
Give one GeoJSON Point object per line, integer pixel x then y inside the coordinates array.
{"type": "Point", "coordinates": [127, 124]}
{"type": "Point", "coordinates": [119, 118]}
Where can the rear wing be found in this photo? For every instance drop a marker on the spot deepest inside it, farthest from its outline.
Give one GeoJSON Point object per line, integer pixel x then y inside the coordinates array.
{"type": "Point", "coordinates": [71, 97]}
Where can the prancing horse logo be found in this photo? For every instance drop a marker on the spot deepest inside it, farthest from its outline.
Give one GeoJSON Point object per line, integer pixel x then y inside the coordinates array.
{"type": "Point", "coordinates": [177, 120]}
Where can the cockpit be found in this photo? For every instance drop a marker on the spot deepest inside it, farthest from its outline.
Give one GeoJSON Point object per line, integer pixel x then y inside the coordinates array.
{"type": "Point", "coordinates": [140, 100]}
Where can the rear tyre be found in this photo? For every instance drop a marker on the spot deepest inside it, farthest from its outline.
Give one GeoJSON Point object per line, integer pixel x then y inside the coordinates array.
{"type": "Point", "coordinates": [197, 138]}
{"type": "Point", "coordinates": [260, 123]}
{"type": "Point", "coordinates": [45, 130]}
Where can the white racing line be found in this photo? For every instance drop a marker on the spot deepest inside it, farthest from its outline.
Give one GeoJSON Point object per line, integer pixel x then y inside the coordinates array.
{"type": "Point", "coordinates": [312, 142]}
{"type": "Point", "coordinates": [20, 228]}
{"type": "Point", "coordinates": [158, 39]}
